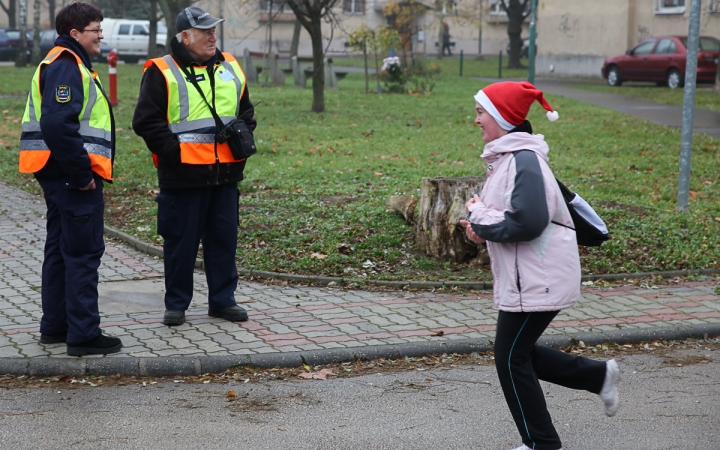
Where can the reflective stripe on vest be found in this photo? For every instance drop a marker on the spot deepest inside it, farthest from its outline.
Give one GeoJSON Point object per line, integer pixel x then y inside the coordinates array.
{"type": "Point", "coordinates": [189, 117]}
{"type": "Point", "coordinates": [95, 125]}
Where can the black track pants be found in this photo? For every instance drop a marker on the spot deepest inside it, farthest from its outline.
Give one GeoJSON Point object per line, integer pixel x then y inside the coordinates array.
{"type": "Point", "coordinates": [520, 364]}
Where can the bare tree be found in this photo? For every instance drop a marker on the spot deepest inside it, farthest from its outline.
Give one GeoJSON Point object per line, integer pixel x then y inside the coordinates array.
{"type": "Point", "coordinates": [517, 12]}
{"type": "Point", "coordinates": [36, 57]}
{"type": "Point", "coordinates": [51, 12]}
{"type": "Point", "coordinates": [171, 9]}
{"type": "Point", "coordinates": [10, 9]}
{"type": "Point", "coordinates": [21, 57]}
{"type": "Point", "coordinates": [311, 14]}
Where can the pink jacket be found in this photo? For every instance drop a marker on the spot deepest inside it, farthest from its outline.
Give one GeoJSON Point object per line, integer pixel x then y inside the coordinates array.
{"type": "Point", "coordinates": [535, 263]}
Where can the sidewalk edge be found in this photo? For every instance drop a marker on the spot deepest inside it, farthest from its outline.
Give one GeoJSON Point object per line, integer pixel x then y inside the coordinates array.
{"type": "Point", "coordinates": [190, 366]}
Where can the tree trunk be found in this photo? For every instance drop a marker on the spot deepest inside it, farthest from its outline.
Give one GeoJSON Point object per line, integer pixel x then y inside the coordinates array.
{"type": "Point", "coordinates": [318, 82]}
{"type": "Point", "coordinates": [442, 205]}
{"type": "Point", "coordinates": [10, 10]}
{"type": "Point", "coordinates": [51, 13]}
{"type": "Point", "coordinates": [21, 57]}
{"type": "Point", "coordinates": [152, 39]}
{"type": "Point", "coordinates": [36, 57]}
{"type": "Point", "coordinates": [514, 32]}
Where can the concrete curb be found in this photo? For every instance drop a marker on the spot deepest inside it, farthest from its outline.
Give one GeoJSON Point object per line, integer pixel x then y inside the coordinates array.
{"type": "Point", "coordinates": [187, 366]}
{"type": "Point", "coordinates": [482, 285]}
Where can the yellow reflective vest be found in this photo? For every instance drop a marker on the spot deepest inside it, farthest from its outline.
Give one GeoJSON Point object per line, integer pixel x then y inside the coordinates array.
{"type": "Point", "coordinates": [189, 117]}
{"type": "Point", "coordinates": [95, 122]}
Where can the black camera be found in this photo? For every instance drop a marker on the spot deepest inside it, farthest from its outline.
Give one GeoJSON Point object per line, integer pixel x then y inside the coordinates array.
{"type": "Point", "coordinates": [239, 138]}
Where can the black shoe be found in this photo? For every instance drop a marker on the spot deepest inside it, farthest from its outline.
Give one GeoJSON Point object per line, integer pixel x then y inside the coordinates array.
{"type": "Point", "coordinates": [232, 313]}
{"type": "Point", "coordinates": [101, 345]}
{"type": "Point", "coordinates": [52, 338]}
{"type": "Point", "coordinates": [173, 317]}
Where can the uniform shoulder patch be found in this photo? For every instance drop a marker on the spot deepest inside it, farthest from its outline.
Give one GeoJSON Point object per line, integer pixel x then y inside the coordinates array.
{"type": "Point", "coordinates": [62, 93]}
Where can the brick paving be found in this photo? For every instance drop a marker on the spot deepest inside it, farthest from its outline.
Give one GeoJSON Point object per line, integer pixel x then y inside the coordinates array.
{"type": "Point", "coordinates": [297, 318]}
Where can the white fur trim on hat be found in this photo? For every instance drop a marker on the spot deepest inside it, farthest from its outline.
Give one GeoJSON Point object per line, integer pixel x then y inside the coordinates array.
{"type": "Point", "coordinates": [552, 116]}
{"type": "Point", "coordinates": [488, 106]}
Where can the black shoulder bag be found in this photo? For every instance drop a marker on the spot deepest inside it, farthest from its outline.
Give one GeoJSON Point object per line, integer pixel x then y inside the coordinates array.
{"type": "Point", "coordinates": [590, 229]}
{"type": "Point", "coordinates": [236, 132]}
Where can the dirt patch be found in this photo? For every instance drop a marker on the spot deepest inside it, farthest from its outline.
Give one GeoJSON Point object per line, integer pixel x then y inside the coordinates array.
{"type": "Point", "coordinates": [335, 200]}
{"type": "Point", "coordinates": [637, 210]}
{"type": "Point", "coordinates": [686, 360]}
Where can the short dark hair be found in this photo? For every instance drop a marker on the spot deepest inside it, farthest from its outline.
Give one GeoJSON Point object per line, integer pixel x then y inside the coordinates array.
{"type": "Point", "coordinates": [76, 16]}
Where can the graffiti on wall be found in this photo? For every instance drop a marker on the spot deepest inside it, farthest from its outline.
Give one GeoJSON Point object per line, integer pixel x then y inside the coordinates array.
{"type": "Point", "coordinates": [568, 25]}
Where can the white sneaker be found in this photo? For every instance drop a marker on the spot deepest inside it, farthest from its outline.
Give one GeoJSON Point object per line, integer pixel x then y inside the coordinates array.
{"type": "Point", "coordinates": [609, 393]}
{"type": "Point", "coordinates": [525, 447]}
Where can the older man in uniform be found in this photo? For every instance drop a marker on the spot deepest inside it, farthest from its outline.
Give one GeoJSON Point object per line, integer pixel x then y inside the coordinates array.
{"type": "Point", "coordinates": [186, 98]}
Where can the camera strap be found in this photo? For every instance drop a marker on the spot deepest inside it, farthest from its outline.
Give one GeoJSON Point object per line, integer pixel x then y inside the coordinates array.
{"type": "Point", "coordinates": [191, 77]}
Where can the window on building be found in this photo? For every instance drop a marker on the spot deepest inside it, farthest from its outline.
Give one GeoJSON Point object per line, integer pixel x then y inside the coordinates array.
{"type": "Point", "coordinates": [670, 7]}
{"type": "Point", "coordinates": [354, 6]}
{"type": "Point", "coordinates": [497, 8]}
{"type": "Point", "coordinates": [448, 8]}
{"type": "Point", "coordinates": [277, 6]}
{"type": "Point", "coordinates": [714, 6]}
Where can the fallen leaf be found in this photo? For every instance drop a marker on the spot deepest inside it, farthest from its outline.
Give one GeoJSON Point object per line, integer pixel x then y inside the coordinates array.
{"type": "Point", "coordinates": [717, 219]}
{"type": "Point", "coordinates": [378, 174]}
{"type": "Point", "coordinates": [231, 394]}
{"type": "Point", "coordinates": [318, 255]}
{"type": "Point", "coordinates": [428, 379]}
{"type": "Point", "coordinates": [319, 375]}
{"type": "Point", "coordinates": [438, 333]}
{"type": "Point", "coordinates": [693, 195]}
{"type": "Point", "coordinates": [153, 192]}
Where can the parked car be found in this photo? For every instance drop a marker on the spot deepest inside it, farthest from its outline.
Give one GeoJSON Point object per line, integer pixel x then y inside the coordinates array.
{"type": "Point", "coordinates": [662, 60]}
{"type": "Point", "coordinates": [9, 39]}
{"type": "Point", "coordinates": [47, 42]}
{"type": "Point", "coordinates": [131, 37]}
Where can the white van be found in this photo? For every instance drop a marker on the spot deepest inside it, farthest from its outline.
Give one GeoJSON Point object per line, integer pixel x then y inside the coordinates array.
{"type": "Point", "coordinates": [131, 38]}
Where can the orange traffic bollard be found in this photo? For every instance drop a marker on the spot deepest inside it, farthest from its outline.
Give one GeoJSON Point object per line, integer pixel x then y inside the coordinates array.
{"type": "Point", "coordinates": [112, 60]}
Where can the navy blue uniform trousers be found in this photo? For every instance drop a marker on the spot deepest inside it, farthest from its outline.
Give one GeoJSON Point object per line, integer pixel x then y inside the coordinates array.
{"type": "Point", "coordinates": [73, 249]}
{"type": "Point", "coordinates": [520, 363]}
{"type": "Point", "coordinates": [186, 217]}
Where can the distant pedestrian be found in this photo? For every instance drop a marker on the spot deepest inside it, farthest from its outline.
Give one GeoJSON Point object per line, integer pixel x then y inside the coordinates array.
{"type": "Point", "coordinates": [68, 143]}
{"type": "Point", "coordinates": [522, 217]}
{"type": "Point", "coordinates": [446, 39]}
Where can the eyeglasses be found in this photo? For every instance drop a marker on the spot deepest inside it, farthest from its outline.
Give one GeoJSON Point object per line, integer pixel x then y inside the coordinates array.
{"type": "Point", "coordinates": [97, 31]}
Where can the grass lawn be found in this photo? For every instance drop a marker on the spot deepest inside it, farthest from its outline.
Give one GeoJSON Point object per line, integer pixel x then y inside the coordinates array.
{"type": "Point", "coordinates": [314, 196]}
{"type": "Point", "coordinates": [705, 95]}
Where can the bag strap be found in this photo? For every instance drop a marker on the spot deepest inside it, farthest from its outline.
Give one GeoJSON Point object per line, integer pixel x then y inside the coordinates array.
{"type": "Point", "coordinates": [218, 122]}
{"type": "Point", "coordinates": [563, 225]}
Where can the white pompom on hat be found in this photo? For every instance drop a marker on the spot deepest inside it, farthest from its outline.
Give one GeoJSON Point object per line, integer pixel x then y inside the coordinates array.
{"type": "Point", "coordinates": [509, 102]}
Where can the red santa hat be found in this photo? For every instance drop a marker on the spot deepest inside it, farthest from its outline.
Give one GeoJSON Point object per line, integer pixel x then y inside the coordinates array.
{"type": "Point", "coordinates": [509, 102]}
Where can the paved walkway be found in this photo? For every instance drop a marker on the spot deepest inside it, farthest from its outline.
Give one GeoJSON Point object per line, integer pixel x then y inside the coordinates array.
{"type": "Point", "coordinates": [294, 324]}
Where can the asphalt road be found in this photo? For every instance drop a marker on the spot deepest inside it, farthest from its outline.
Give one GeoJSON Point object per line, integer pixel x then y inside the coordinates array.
{"type": "Point", "coordinates": [669, 401]}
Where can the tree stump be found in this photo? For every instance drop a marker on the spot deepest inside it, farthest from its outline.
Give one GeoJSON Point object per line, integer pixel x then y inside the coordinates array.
{"type": "Point", "coordinates": [442, 205]}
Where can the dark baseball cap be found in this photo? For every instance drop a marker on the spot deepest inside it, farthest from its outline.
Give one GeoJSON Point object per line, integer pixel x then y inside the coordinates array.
{"type": "Point", "coordinates": [194, 17]}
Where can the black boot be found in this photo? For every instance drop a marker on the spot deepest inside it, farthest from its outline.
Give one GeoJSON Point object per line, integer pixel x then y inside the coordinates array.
{"type": "Point", "coordinates": [52, 338]}
{"type": "Point", "coordinates": [101, 345]}
{"type": "Point", "coordinates": [173, 317]}
{"type": "Point", "coordinates": [232, 313]}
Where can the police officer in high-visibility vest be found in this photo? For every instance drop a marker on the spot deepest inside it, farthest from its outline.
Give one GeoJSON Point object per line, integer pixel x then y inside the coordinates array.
{"type": "Point", "coordinates": [68, 143]}
{"type": "Point", "coordinates": [183, 98]}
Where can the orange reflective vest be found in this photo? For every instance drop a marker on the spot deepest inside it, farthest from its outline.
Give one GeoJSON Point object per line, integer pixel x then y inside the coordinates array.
{"type": "Point", "coordinates": [95, 122]}
{"type": "Point", "coordinates": [188, 115]}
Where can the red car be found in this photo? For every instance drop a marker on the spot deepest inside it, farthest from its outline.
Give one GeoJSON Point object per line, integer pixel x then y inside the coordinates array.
{"type": "Point", "coordinates": [662, 59]}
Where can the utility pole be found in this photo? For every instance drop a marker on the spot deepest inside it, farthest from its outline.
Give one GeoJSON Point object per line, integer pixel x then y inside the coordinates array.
{"type": "Point", "coordinates": [531, 43]}
{"type": "Point", "coordinates": [688, 106]}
